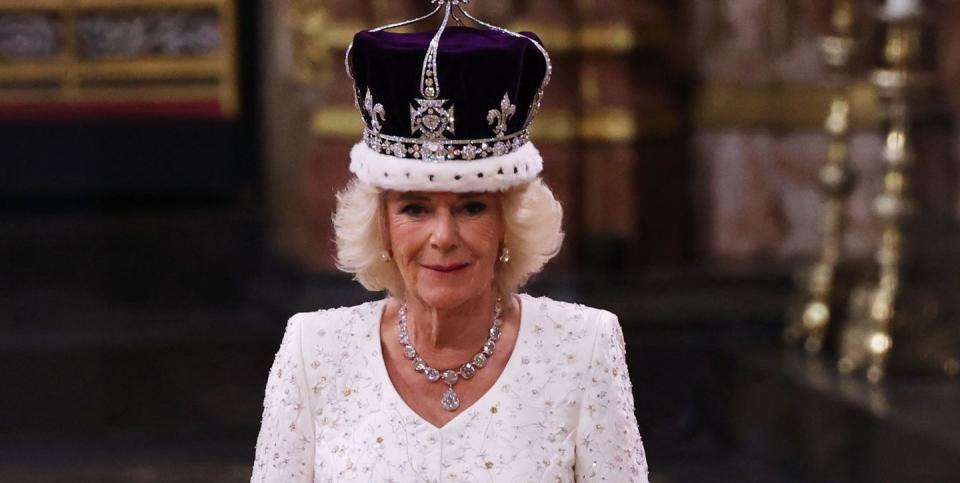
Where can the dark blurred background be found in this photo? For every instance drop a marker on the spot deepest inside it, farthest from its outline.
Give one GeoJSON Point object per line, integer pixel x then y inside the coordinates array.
{"type": "Point", "coordinates": [168, 175]}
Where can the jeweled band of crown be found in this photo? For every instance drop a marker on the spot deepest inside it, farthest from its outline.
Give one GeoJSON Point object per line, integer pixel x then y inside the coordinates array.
{"type": "Point", "coordinates": [432, 119]}
{"type": "Point", "coordinates": [446, 150]}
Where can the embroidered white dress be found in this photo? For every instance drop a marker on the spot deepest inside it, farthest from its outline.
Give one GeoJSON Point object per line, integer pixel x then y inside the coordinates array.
{"type": "Point", "coordinates": [561, 411]}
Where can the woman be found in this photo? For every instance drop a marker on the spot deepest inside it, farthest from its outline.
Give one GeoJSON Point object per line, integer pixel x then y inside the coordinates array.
{"type": "Point", "coordinates": [454, 376]}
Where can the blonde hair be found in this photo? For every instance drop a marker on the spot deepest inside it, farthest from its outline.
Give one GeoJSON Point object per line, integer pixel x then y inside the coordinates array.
{"type": "Point", "coordinates": [532, 219]}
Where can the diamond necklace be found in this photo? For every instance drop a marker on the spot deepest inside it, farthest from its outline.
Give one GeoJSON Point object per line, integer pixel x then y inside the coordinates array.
{"type": "Point", "coordinates": [450, 400]}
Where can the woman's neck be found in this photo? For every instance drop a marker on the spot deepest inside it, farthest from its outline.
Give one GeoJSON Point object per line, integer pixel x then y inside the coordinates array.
{"type": "Point", "coordinates": [448, 331]}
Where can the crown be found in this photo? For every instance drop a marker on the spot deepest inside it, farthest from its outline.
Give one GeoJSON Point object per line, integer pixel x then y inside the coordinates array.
{"type": "Point", "coordinates": [448, 110]}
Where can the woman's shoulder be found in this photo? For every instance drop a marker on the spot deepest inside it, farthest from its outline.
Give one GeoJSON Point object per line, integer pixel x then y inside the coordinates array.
{"type": "Point", "coordinates": [567, 323]}
{"type": "Point", "coordinates": [339, 313]}
{"type": "Point", "coordinates": [339, 322]}
{"type": "Point", "coordinates": [568, 312]}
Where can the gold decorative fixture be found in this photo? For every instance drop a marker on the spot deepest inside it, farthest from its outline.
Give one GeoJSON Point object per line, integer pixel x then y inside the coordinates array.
{"type": "Point", "coordinates": [310, 26]}
{"type": "Point", "coordinates": [824, 287]}
{"type": "Point", "coordinates": [888, 316]}
{"type": "Point", "coordinates": [98, 52]}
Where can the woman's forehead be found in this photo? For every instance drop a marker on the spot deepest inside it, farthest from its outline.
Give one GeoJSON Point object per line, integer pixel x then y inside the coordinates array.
{"type": "Point", "coordinates": [437, 196]}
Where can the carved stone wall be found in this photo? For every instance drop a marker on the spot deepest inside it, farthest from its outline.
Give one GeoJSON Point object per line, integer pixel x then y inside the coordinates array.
{"type": "Point", "coordinates": [133, 59]}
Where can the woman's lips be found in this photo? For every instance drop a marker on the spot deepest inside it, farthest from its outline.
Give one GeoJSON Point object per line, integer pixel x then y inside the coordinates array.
{"type": "Point", "coordinates": [446, 268]}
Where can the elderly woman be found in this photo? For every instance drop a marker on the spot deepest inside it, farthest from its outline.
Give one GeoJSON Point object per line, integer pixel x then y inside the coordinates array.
{"type": "Point", "coordinates": [454, 376]}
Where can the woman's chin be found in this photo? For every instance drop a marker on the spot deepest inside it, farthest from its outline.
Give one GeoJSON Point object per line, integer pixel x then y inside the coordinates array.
{"type": "Point", "coordinates": [446, 296]}
{"type": "Point", "coordinates": [443, 299]}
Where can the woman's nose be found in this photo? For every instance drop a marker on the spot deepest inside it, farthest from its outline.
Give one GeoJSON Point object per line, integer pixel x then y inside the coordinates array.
{"type": "Point", "coordinates": [445, 233]}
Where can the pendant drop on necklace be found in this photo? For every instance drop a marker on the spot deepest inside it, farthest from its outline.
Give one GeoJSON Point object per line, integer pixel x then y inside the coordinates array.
{"type": "Point", "coordinates": [450, 401]}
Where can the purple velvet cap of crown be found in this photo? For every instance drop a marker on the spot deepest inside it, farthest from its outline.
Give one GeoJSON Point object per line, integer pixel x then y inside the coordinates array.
{"type": "Point", "coordinates": [475, 68]}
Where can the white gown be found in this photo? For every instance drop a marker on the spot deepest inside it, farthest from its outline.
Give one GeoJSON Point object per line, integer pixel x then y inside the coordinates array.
{"type": "Point", "coordinates": [561, 411]}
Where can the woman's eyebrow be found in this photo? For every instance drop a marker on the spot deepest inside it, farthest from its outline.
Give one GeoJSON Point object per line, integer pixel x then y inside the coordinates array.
{"type": "Point", "coordinates": [412, 196]}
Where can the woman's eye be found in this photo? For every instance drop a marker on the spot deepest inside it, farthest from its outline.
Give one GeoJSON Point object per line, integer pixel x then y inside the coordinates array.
{"type": "Point", "coordinates": [475, 207]}
{"type": "Point", "coordinates": [413, 209]}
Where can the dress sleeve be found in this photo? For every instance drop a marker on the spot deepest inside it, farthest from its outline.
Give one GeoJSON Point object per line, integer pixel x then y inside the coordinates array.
{"type": "Point", "coordinates": [608, 445]}
{"type": "Point", "coordinates": [285, 446]}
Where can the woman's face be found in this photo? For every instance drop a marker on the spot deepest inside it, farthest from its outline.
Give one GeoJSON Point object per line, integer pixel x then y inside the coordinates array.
{"type": "Point", "coordinates": [445, 244]}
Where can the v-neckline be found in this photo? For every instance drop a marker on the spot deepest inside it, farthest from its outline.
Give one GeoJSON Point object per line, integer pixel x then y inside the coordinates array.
{"type": "Point", "coordinates": [507, 369]}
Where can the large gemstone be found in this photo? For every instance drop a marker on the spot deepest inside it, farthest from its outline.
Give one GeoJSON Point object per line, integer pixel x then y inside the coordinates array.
{"type": "Point", "coordinates": [432, 374]}
{"type": "Point", "coordinates": [409, 351]}
{"type": "Point", "coordinates": [494, 333]}
{"type": "Point", "coordinates": [488, 347]}
{"type": "Point", "coordinates": [431, 146]}
{"type": "Point", "coordinates": [419, 365]}
{"type": "Point", "coordinates": [480, 360]}
{"type": "Point", "coordinates": [431, 121]}
{"type": "Point", "coordinates": [450, 401]}
{"type": "Point", "coordinates": [434, 152]}
{"type": "Point", "coordinates": [450, 377]}
{"type": "Point", "coordinates": [468, 370]}
{"type": "Point", "coordinates": [469, 152]}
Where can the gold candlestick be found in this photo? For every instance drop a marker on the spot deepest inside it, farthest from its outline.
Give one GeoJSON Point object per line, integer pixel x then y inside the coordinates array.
{"type": "Point", "coordinates": [887, 312]}
{"type": "Point", "coordinates": [824, 291]}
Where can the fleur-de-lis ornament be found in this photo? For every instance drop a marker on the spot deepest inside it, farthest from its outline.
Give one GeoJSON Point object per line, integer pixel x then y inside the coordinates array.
{"type": "Point", "coordinates": [499, 119]}
{"type": "Point", "coordinates": [375, 111]}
